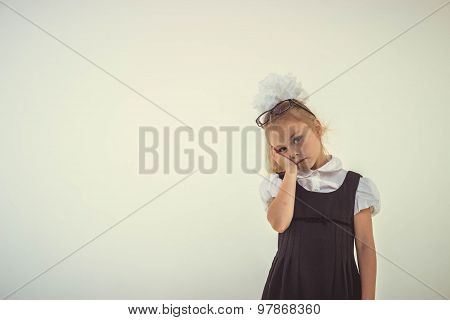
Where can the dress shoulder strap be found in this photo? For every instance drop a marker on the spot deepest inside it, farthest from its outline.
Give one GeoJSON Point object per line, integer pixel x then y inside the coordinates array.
{"type": "Point", "coordinates": [280, 174]}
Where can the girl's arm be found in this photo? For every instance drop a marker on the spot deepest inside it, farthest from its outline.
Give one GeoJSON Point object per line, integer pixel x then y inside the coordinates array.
{"type": "Point", "coordinates": [281, 208]}
{"type": "Point", "coordinates": [367, 258]}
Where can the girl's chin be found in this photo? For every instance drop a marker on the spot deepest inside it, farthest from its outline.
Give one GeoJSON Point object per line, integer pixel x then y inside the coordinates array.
{"type": "Point", "coordinates": [303, 165]}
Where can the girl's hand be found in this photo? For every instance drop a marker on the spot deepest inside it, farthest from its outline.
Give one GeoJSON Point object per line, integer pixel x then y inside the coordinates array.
{"type": "Point", "coordinates": [285, 163]}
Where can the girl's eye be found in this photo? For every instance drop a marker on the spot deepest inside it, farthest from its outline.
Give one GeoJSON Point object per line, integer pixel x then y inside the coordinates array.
{"type": "Point", "coordinates": [297, 139]}
{"type": "Point", "coordinates": [281, 150]}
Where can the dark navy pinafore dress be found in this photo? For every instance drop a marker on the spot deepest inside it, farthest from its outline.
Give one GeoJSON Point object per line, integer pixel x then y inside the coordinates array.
{"type": "Point", "coordinates": [315, 257]}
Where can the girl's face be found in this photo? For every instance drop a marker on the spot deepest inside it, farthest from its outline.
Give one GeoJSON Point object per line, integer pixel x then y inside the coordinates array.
{"type": "Point", "coordinates": [296, 140]}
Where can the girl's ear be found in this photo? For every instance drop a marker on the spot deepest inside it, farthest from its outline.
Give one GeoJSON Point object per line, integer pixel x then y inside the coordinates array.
{"type": "Point", "coordinates": [318, 127]}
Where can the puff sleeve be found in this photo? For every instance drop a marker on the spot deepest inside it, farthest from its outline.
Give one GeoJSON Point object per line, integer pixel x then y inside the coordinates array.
{"type": "Point", "coordinates": [269, 188]}
{"type": "Point", "coordinates": [367, 195]}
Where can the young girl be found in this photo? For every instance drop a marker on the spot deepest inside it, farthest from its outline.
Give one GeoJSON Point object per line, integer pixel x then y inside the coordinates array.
{"type": "Point", "coordinates": [318, 208]}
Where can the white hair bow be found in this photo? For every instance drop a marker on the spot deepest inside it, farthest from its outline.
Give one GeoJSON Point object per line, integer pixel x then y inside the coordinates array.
{"type": "Point", "coordinates": [275, 88]}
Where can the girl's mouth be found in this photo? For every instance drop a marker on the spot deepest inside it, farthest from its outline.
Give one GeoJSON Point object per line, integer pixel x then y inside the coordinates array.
{"type": "Point", "coordinates": [301, 161]}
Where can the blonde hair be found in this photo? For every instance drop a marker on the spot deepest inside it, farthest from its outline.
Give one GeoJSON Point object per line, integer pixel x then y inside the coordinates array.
{"type": "Point", "coordinates": [299, 114]}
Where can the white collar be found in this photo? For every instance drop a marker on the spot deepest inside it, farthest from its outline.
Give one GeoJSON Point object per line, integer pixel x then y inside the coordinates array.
{"type": "Point", "coordinates": [334, 164]}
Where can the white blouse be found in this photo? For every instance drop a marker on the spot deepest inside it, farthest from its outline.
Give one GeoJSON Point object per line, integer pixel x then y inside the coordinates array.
{"type": "Point", "coordinates": [327, 178]}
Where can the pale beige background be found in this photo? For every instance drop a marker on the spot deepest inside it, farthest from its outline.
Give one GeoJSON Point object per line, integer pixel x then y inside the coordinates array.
{"type": "Point", "coordinates": [69, 137]}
